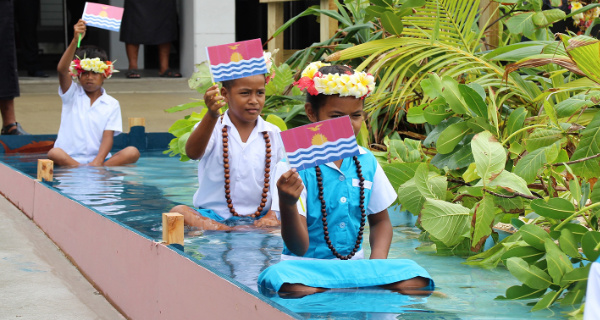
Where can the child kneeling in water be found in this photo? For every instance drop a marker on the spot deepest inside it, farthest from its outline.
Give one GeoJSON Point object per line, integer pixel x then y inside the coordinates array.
{"type": "Point", "coordinates": [339, 197]}
{"type": "Point", "coordinates": [236, 151]}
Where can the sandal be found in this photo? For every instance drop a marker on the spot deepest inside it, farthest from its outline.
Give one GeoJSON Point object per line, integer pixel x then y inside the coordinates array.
{"type": "Point", "coordinates": [6, 130]}
{"type": "Point", "coordinates": [170, 74]}
{"type": "Point", "coordinates": [132, 74]}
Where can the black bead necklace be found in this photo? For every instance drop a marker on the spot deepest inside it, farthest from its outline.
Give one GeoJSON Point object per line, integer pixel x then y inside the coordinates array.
{"type": "Point", "coordinates": [363, 213]}
{"type": "Point", "coordinates": [227, 176]}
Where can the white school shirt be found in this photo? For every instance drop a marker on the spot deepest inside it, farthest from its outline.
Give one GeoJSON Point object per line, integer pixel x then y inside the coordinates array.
{"type": "Point", "coordinates": [246, 165]}
{"type": "Point", "coordinates": [82, 125]}
{"type": "Point", "coordinates": [382, 196]}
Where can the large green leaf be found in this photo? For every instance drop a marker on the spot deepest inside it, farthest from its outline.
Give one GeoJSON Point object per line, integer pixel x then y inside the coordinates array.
{"type": "Point", "coordinates": [555, 208]}
{"type": "Point", "coordinates": [522, 292]}
{"type": "Point", "coordinates": [521, 23]}
{"type": "Point", "coordinates": [558, 262]}
{"type": "Point", "coordinates": [453, 96]}
{"type": "Point", "coordinates": [430, 184]}
{"type": "Point", "coordinates": [474, 101]}
{"type": "Point", "coordinates": [542, 137]}
{"type": "Point", "coordinates": [588, 146]}
{"type": "Point", "coordinates": [510, 182]}
{"type": "Point", "coordinates": [273, 119]}
{"type": "Point", "coordinates": [589, 241]}
{"type": "Point", "coordinates": [534, 236]}
{"type": "Point", "coordinates": [447, 222]}
{"type": "Point", "coordinates": [432, 86]}
{"type": "Point", "coordinates": [527, 253]}
{"type": "Point", "coordinates": [515, 122]}
{"type": "Point", "coordinates": [568, 244]}
{"type": "Point", "coordinates": [485, 212]}
{"type": "Point", "coordinates": [529, 166]}
{"type": "Point", "coordinates": [489, 155]}
{"type": "Point", "coordinates": [574, 296]}
{"type": "Point", "coordinates": [546, 301]}
{"type": "Point", "coordinates": [410, 198]}
{"type": "Point", "coordinates": [398, 173]}
{"type": "Point", "coordinates": [530, 275]}
{"type": "Point", "coordinates": [451, 136]}
{"type": "Point", "coordinates": [391, 23]}
{"type": "Point", "coordinates": [436, 111]}
{"type": "Point", "coordinates": [584, 52]}
{"type": "Point", "coordinates": [579, 274]}
{"type": "Point", "coordinates": [568, 107]}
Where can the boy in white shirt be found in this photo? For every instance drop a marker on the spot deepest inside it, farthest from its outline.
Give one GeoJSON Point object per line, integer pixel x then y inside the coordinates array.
{"type": "Point", "coordinates": [236, 151]}
{"type": "Point", "coordinates": [90, 118]}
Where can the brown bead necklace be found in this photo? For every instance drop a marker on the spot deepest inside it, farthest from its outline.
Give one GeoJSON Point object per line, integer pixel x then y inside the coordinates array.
{"type": "Point", "coordinates": [363, 213]}
{"type": "Point", "coordinates": [263, 202]}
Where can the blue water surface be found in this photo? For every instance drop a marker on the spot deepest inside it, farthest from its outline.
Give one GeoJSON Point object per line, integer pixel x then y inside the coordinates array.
{"type": "Point", "coordinates": [137, 195]}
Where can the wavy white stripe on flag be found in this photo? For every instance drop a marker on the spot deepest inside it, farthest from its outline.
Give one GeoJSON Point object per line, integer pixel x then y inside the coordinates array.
{"type": "Point", "coordinates": [103, 23]}
{"type": "Point", "coordinates": [239, 69]}
{"type": "Point", "coordinates": [320, 154]}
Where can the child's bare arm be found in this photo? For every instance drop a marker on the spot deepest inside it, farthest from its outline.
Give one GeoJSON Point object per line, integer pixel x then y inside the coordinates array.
{"type": "Point", "coordinates": [380, 235]}
{"type": "Point", "coordinates": [64, 79]}
{"type": "Point", "coordinates": [293, 225]}
{"type": "Point", "coordinates": [105, 146]}
{"type": "Point", "coordinates": [198, 140]}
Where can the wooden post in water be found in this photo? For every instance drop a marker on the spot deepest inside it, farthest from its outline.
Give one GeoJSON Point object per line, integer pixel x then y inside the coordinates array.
{"type": "Point", "coordinates": [137, 122]}
{"type": "Point", "coordinates": [172, 225]}
{"type": "Point", "coordinates": [45, 171]}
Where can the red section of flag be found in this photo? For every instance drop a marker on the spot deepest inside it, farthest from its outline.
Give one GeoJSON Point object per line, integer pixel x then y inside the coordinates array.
{"type": "Point", "coordinates": [104, 11]}
{"type": "Point", "coordinates": [304, 137]}
{"type": "Point", "coordinates": [243, 50]}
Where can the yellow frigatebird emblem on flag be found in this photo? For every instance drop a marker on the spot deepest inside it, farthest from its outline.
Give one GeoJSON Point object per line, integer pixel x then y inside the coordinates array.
{"type": "Point", "coordinates": [315, 128]}
{"type": "Point", "coordinates": [235, 56]}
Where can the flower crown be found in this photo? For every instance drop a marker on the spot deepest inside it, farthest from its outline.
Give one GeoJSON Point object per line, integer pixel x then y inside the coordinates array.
{"type": "Point", "coordinates": [96, 65]}
{"type": "Point", "coordinates": [357, 84]}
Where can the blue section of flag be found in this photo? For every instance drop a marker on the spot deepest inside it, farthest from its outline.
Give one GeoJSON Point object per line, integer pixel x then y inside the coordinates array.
{"type": "Point", "coordinates": [102, 22]}
{"type": "Point", "coordinates": [319, 154]}
{"type": "Point", "coordinates": [240, 69]}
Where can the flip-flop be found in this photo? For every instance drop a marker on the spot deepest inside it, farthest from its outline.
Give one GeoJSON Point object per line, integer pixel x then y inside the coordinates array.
{"type": "Point", "coordinates": [170, 74]}
{"type": "Point", "coordinates": [132, 74]}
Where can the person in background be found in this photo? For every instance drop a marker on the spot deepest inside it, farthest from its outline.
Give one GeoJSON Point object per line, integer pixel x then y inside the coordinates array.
{"type": "Point", "coordinates": [27, 14]}
{"type": "Point", "coordinates": [9, 81]}
{"type": "Point", "coordinates": [149, 22]}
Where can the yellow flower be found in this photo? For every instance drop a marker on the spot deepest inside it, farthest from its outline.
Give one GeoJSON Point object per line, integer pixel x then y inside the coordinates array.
{"type": "Point", "coordinates": [576, 5]}
{"type": "Point", "coordinates": [312, 68]}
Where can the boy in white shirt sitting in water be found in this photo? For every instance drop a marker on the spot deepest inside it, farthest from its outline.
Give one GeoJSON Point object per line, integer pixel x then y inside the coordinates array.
{"type": "Point", "coordinates": [236, 151]}
{"type": "Point", "coordinates": [90, 118]}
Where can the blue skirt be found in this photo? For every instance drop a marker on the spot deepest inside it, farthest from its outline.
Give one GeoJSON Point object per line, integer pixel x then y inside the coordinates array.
{"type": "Point", "coordinates": [339, 273]}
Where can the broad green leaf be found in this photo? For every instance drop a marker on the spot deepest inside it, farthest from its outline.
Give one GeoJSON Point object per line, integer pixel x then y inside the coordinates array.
{"type": "Point", "coordinates": [182, 141]}
{"type": "Point", "coordinates": [473, 100]}
{"type": "Point", "coordinates": [470, 174]}
{"type": "Point", "coordinates": [534, 236]}
{"type": "Point", "coordinates": [572, 297]}
{"type": "Point", "coordinates": [445, 221]}
{"type": "Point", "coordinates": [436, 112]}
{"type": "Point", "coordinates": [546, 17]}
{"type": "Point", "coordinates": [273, 119]}
{"type": "Point", "coordinates": [479, 124]}
{"type": "Point", "coordinates": [579, 274]}
{"type": "Point", "coordinates": [435, 133]}
{"type": "Point", "coordinates": [542, 137]}
{"type": "Point", "coordinates": [531, 276]}
{"type": "Point", "coordinates": [583, 50]}
{"type": "Point", "coordinates": [485, 213]}
{"type": "Point", "coordinates": [410, 198]}
{"type": "Point", "coordinates": [589, 145]}
{"type": "Point", "coordinates": [399, 173]}
{"type": "Point", "coordinates": [362, 138]}
{"type": "Point", "coordinates": [451, 136]}
{"type": "Point", "coordinates": [453, 96]}
{"type": "Point", "coordinates": [529, 166]}
{"type": "Point", "coordinates": [413, 3]}
{"type": "Point", "coordinates": [589, 241]}
{"type": "Point", "coordinates": [527, 253]}
{"type": "Point", "coordinates": [432, 86]}
{"type": "Point", "coordinates": [558, 262]}
{"type": "Point", "coordinates": [489, 155]}
{"type": "Point", "coordinates": [555, 208]}
{"type": "Point", "coordinates": [510, 182]}
{"type": "Point", "coordinates": [576, 229]}
{"type": "Point", "coordinates": [416, 115]}
{"type": "Point", "coordinates": [568, 244]}
{"type": "Point", "coordinates": [521, 23]}
{"type": "Point", "coordinates": [391, 23]}
{"type": "Point", "coordinates": [568, 107]}
{"type": "Point", "coordinates": [430, 184]}
{"type": "Point", "coordinates": [516, 120]}
{"type": "Point", "coordinates": [521, 292]}
{"type": "Point", "coordinates": [461, 157]}
{"type": "Point", "coordinates": [546, 301]}
{"type": "Point", "coordinates": [510, 205]}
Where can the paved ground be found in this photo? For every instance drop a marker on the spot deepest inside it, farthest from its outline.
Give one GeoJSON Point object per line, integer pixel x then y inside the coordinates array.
{"type": "Point", "coordinates": [36, 280]}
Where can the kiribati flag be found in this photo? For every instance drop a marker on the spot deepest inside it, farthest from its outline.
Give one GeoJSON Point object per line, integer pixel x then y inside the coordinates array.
{"type": "Point", "coordinates": [321, 142]}
{"type": "Point", "coordinates": [236, 60]}
{"type": "Point", "coordinates": [102, 16]}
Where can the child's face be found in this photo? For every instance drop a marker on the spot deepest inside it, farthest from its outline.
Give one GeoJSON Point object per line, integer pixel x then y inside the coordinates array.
{"type": "Point", "coordinates": [336, 106]}
{"type": "Point", "coordinates": [91, 81]}
{"type": "Point", "coordinates": [246, 98]}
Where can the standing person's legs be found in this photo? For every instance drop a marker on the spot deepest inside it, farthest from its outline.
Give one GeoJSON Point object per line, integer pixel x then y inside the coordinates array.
{"type": "Point", "coordinates": [132, 55]}
{"type": "Point", "coordinates": [9, 120]}
{"type": "Point", "coordinates": [27, 13]}
{"type": "Point", "coordinates": [164, 49]}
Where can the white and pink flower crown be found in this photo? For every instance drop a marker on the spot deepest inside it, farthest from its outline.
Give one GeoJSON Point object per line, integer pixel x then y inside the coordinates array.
{"type": "Point", "coordinates": [357, 84]}
{"type": "Point", "coordinates": [96, 65]}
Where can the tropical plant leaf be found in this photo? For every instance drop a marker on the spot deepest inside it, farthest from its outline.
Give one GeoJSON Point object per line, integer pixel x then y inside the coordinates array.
{"type": "Point", "coordinates": [530, 275]}
{"type": "Point", "coordinates": [572, 297]}
{"type": "Point", "coordinates": [589, 241]}
{"type": "Point", "coordinates": [410, 197]}
{"type": "Point", "coordinates": [489, 155]}
{"type": "Point", "coordinates": [521, 23]}
{"type": "Point", "coordinates": [451, 136]}
{"type": "Point", "coordinates": [588, 146]}
{"type": "Point", "coordinates": [399, 173]}
{"type": "Point", "coordinates": [391, 23]}
{"type": "Point", "coordinates": [447, 222]}
{"type": "Point", "coordinates": [558, 262]}
{"type": "Point", "coordinates": [579, 274]}
{"type": "Point", "coordinates": [534, 236]}
{"type": "Point", "coordinates": [555, 208]}
{"type": "Point", "coordinates": [510, 182]}
{"type": "Point", "coordinates": [485, 212]}
{"type": "Point", "coordinates": [474, 100]}
{"type": "Point", "coordinates": [527, 253]}
{"type": "Point", "coordinates": [516, 120]}
{"type": "Point", "coordinates": [274, 119]}
{"type": "Point", "coordinates": [568, 107]}
{"type": "Point", "coordinates": [584, 52]}
{"type": "Point", "coordinates": [430, 184]}
{"type": "Point", "coordinates": [568, 244]}
{"type": "Point", "coordinates": [546, 301]}
{"type": "Point", "coordinates": [542, 137]}
{"type": "Point", "coordinates": [436, 111]}
{"type": "Point", "coordinates": [453, 96]}
{"type": "Point", "coordinates": [529, 166]}
{"type": "Point", "coordinates": [522, 292]}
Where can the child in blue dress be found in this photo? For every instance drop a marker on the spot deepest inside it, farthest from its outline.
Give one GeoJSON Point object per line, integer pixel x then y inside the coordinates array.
{"type": "Point", "coordinates": [339, 197]}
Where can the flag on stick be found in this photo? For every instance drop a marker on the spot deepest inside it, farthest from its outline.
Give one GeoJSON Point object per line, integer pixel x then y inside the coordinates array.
{"type": "Point", "coordinates": [321, 142]}
{"type": "Point", "coordinates": [102, 16]}
{"type": "Point", "coordinates": [236, 60]}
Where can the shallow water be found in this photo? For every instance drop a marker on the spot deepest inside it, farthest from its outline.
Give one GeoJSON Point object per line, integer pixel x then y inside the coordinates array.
{"type": "Point", "coordinates": [138, 195]}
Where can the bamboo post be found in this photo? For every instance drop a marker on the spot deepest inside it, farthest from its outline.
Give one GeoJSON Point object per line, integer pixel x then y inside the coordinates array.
{"type": "Point", "coordinates": [275, 20]}
{"type": "Point", "coordinates": [172, 225]}
{"type": "Point", "coordinates": [489, 13]}
{"type": "Point", "coordinates": [45, 170]}
{"type": "Point", "coordinates": [134, 122]}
